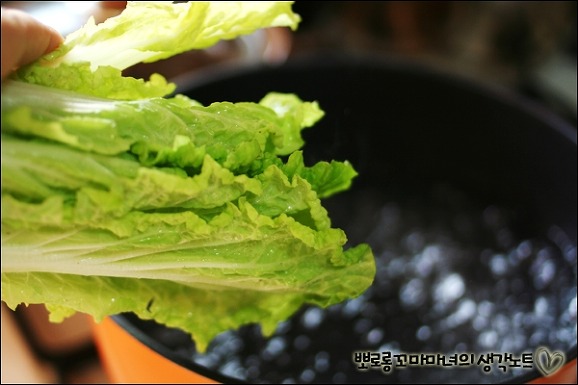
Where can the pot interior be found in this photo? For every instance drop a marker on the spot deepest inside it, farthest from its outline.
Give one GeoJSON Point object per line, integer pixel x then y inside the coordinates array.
{"type": "Point", "coordinates": [467, 196]}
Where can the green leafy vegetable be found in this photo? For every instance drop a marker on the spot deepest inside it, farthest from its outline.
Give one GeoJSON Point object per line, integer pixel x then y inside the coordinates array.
{"type": "Point", "coordinates": [91, 59]}
{"type": "Point", "coordinates": [200, 217]}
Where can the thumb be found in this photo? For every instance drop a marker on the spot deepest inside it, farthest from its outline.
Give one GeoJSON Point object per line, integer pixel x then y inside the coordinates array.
{"type": "Point", "coordinates": [24, 39]}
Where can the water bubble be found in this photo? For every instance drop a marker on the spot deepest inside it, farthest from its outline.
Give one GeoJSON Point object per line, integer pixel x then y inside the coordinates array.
{"type": "Point", "coordinates": [501, 324]}
{"type": "Point", "coordinates": [499, 264]}
{"type": "Point", "coordinates": [541, 306]}
{"type": "Point", "coordinates": [362, 325]}
{"type": "Point", "coordinates": [462, 347]}
{"type": "Point", "coordinates": [227, 343]}
{"type": "Point", "coordinates": [572, 308]}
{"type": "Point", "coordinates": [353, 307]}
{"type": "Point", "coordinates": [570, 253]}
{"type": "Point", "coordinates": [413, 294]}
{"type": "Point", "coordinates": [432, 252]}
{"type": "Point", "coordinates": [207, 360]}
{"type": "Point", "coordinates": [518, 320]}
{"type": "Point", "coordinates": [414, 241]}
{"type": "Point", "coordinates": [449, 288]}
{"type": "Point", "coordinates": [391, 346]}
{"type": "Point", "coordinates": [233, 369]}
{"type": "Point", "coordinates": [252, 372]}
{"type": "Point", "coordinates": [307, 375]}
{"type": "Point", "coordinates": [396, 267]}
{"type": "Point", "coordinates": [375, 336]}
{"type": "Point", "coordinates": [283, 327]}
{"type": "Point", "coordinates": [486, 308]}
{"type": "Point", "coordinates": [538, 337]}
{"type": "Point", "coordinates": [488, 339]}
{"type": "Point", "coordinates": [425, 261]}
{"type": "Point", "coordinates": [480, 323]}
{"type": "Point", "coordinates": [513, 342]}
{"type": "Point", "coordinates": [322, 362]}
{"type": "Point", "coordinates": [423, 333]}
{"type": "Point", "coordinates": [252, 360]}
{"type": "Point", "coordinates": [544, 272]}
{"type": "Point", "coordinates": [275, 346]}
{"type": "Point", "coordinates": [465, 311]}
{"type": "Point", "coordinates": [564, 335]}
{"type": "Point", "coordinates": [312, 318]}
{"type": "Point", "coordinates": [302, 342]}
{"type": "Point", "coordinates": [529, 320]}
{"type": "Point", "coordinates": [524, 250]}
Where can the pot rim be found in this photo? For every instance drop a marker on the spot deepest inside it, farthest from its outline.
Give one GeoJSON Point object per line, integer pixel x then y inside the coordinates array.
{"type": "Point", "coordinates": [159, 348]}
{"type": "Point", "coordinates": [394, 62]}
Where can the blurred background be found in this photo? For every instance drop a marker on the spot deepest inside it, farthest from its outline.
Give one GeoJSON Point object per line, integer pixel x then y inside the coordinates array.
{"type": "Point", "coordinates": [527, 47]}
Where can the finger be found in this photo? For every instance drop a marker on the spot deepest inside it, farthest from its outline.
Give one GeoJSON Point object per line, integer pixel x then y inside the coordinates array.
{"type": "Point", "coordinates": [24, 39]}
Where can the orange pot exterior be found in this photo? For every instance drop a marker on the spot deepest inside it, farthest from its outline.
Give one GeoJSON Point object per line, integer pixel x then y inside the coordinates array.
{"type": "Point", "coordinates": [127, 360]}
{"type": "Point", "coordinates": [566, 375]}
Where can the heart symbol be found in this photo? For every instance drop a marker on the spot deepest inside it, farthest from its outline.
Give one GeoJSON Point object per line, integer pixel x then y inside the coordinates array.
{"type": "Point", "coordinates": [547, 362]}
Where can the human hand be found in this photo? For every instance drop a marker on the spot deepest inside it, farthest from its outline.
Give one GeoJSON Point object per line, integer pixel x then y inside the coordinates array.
{"type": "Point", "coordinates": [24, 39]}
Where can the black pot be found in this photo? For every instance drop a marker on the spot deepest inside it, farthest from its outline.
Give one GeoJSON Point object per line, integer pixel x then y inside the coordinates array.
{"type": "Point", "coordinates": [467, 194]}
